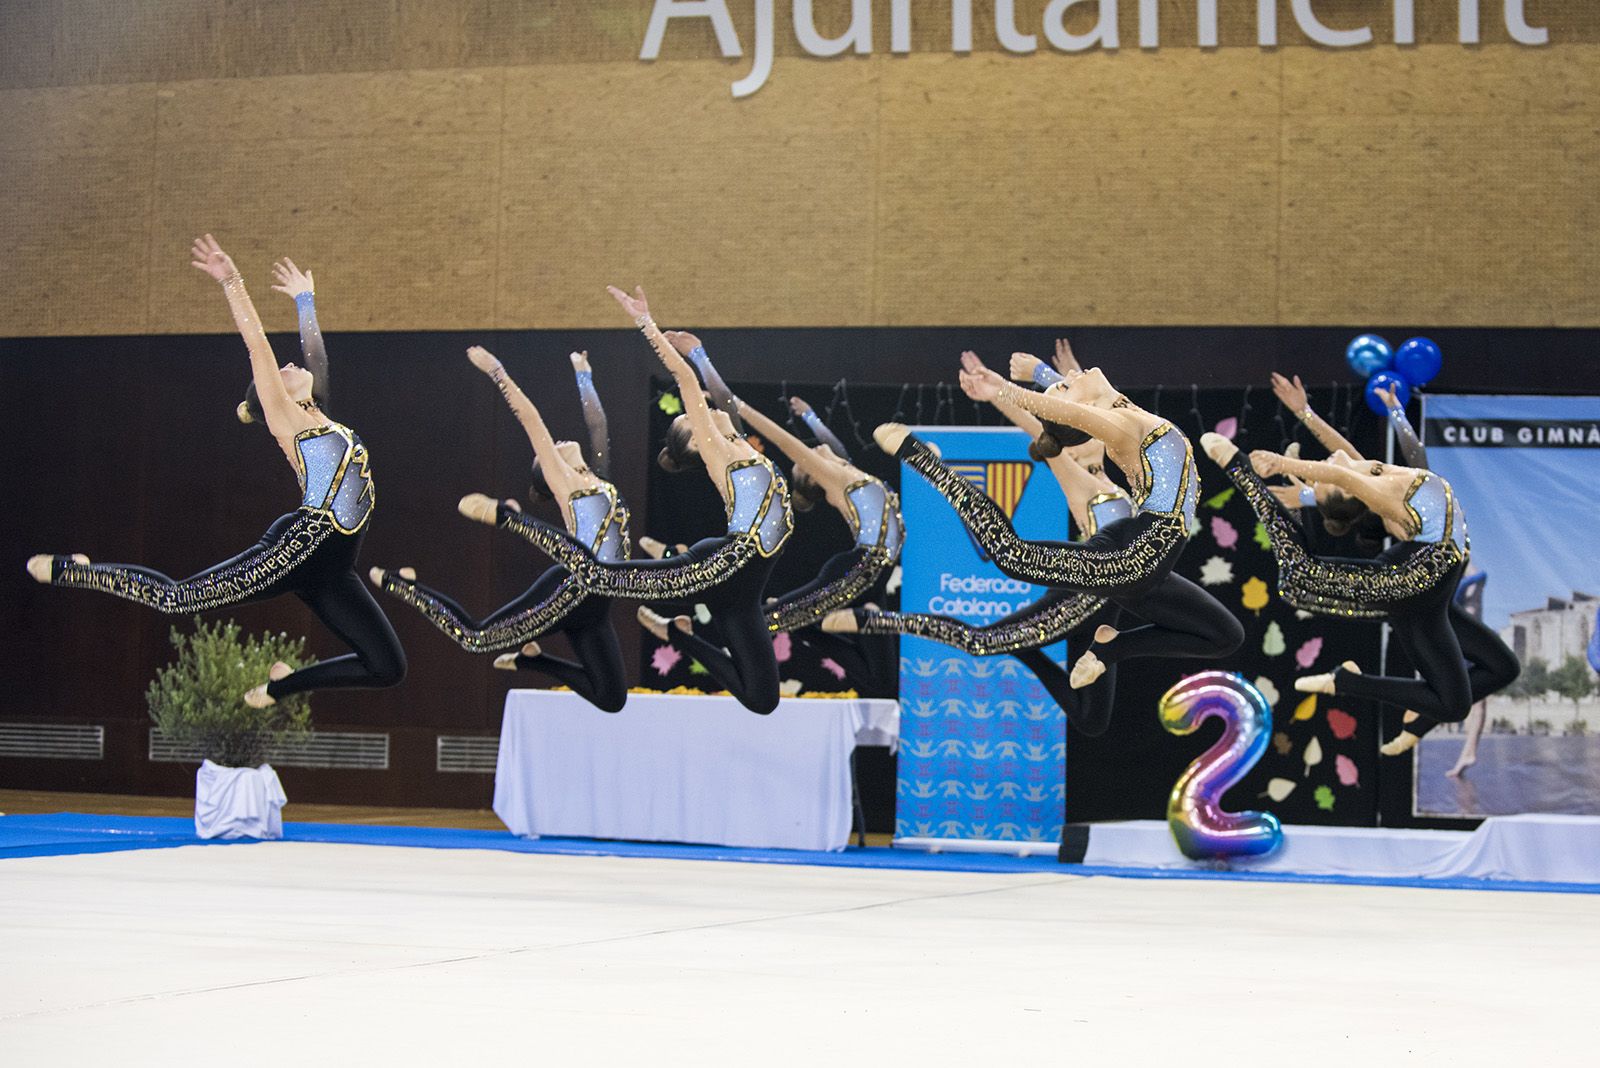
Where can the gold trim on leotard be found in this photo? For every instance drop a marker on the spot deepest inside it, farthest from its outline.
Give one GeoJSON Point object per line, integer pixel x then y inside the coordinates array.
{"type": "Point", "coordinates": [1354, 589]}
{"type": "Point", "coordinates": [775, 485]}
{"type": "Point", "coordinates": [354, 449]}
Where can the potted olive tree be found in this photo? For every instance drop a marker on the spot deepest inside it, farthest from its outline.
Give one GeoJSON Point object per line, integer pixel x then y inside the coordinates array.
{"type": "Point", "coordinates": [197, 701]}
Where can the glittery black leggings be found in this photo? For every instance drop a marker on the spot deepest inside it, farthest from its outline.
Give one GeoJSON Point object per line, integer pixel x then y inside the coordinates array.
{"type": "Point", "coordinates": [742, 661]}
{"type": "Point", "coordinates": [1128, 562]}
{"type": "Point", "coordinates": [1460, 659]}
{"type": "Point", "coordinates": [1123, 558]}
{"type": "Point", "coordinates": [844, 579]}
{"type": "Point", "coordinates": [554, 603]}
{"type": "Point", "coordinates": [300, 554]}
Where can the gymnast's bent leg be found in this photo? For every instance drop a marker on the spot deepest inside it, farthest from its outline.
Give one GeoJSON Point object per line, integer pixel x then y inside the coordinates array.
{"type": "Point", "coordinates": [748, 667]}
{"type": "Point", "coordinates": [1185, 622]}
{"type": "Point", "coordinates": [598, 675]}
{"type": "Point", "coordinates": [1444, 692]}
{"type": "Point", "coordinates": [345, 607]}
{"type": "Point", "coordinates": [870, 658]}
{"type": "Point", "coordinates": [1491, 667]}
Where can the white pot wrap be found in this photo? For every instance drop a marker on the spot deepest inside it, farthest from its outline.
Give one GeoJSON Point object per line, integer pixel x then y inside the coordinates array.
{"type": "Point", "coordinates": [238, 802]}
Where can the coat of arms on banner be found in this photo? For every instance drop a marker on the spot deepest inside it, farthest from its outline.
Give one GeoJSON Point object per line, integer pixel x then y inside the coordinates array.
{"type": "Point", "coordinates": [1002, 481]}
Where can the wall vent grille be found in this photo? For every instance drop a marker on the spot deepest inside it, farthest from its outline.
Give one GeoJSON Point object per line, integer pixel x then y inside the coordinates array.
{"type": "Point", "coordinates": [468, 753]}
{"type": "Point", "coordinates": [324, 749]}
{"type": "Point", "coordinates": [53, 741]}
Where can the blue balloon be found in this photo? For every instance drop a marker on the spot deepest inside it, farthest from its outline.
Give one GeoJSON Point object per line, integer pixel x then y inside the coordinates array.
{"type": "Point", "coordinates": [1383, 380]}
{"type": "Point", "coordinates": [1368, 353]}
{"type": "Point", "coordinates": [1419, 360]}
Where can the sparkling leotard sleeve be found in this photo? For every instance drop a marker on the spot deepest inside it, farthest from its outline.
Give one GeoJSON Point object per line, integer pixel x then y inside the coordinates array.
{"type": "Point", "coordinates": [312, 349]}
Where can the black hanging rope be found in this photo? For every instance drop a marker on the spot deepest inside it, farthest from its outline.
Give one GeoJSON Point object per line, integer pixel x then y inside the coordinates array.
{"type": "Point", "coordinates": [1244, 418]}
{"type": "Point", "coordinates": [900, 404]}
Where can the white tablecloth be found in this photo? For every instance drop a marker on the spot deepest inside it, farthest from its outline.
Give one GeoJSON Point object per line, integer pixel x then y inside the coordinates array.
{"type": "Point", "coordinates": [684, 768]}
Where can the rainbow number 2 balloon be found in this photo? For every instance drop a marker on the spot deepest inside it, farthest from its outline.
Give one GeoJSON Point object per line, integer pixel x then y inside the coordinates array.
{"type": "Point", "coordinates": [1203, 829]}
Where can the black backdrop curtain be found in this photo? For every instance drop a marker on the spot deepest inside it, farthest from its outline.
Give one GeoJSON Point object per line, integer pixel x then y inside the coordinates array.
{"type": "Point", "coordinates": [126, 448]}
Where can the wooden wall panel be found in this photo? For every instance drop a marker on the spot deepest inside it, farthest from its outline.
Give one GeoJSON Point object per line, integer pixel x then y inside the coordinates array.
{"type": "Point", "coordinates": [76, 42]}
{"type": "Point", "coordinates": [1017, 193]}
{"type": "Point", "coordinates": [1442, 80]}
{"type": "Point", "coordinates": [1453, 220]}
{"type": "Point", "coordinates": [77, 167]}
{"type": "Point", "coordinates": [725, 212]}
{"type": "Point", "coordinates": [491, 163]}
{"type": "Point", "coordinates": [383, 184]}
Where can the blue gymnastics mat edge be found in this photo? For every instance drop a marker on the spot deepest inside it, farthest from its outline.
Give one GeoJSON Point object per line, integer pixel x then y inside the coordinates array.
{"type": "Point", "coordinates": [70, 833]}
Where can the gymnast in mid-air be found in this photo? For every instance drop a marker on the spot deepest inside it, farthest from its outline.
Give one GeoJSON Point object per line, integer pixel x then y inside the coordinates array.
{"type": "Point", "coordinates": [869, 507]}
{"type": "Point", "coordinates": [1493, 665]}
{"type": "Point", "coordinates": [593, 513]}
{"type": "Point", "coordinates": [1094, 503]}
{"type": "Point", "coordinates": [728, 572]}
{"type": "Point", "coordinates": [309, 552]}
{"type": "Point", "coordinates": [1411, 584]}
{"type": "Point", "coordinates": [1128, 562]}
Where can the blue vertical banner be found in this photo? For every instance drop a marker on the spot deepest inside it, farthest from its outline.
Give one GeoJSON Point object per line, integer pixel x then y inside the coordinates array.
{"type": "Point", "coordinates": [1523, 469]}
{"type": "Point", "coordinates": [982, 745]}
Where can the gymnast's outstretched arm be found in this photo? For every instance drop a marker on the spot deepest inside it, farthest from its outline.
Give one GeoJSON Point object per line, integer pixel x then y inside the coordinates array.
{"type": "Point", "coordinates": [692, 350]}
{"type": "Point", "coordinates": [557, 472]}
{"type": "Point", "coordinates": [814, 422]}
{"type": "Point", "coordinates": [984, 384]}
{"type": "Point", "coordinates": [798, 452]}
{"type": "Point", "coordinates": [594, 415]}
{"type": "Point", "coordinates": [707, 438]}
{"type": "Point", "coordinates": [284, 417]}
{"type": "Point", "coordinates": [299, 286]}
{"type": "Point", "coordinates": [1292, 395]}
{"type": "Point", "coordinates": [1412, 450]}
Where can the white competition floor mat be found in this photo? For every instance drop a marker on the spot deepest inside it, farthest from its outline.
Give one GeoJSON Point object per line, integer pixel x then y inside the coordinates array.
{"type": "Point", "coordinates": [301, 953]}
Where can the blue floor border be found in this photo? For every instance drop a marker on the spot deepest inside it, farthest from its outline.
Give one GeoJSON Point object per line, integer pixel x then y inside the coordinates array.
{"type": "Point", "coordinates": [73, 833]}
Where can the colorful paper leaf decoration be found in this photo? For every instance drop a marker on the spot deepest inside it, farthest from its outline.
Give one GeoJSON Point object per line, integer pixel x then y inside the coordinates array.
{"type": "Point", "coordinates": [1216, 571]}
{"type": "Point", "coordinates": [1216, 501]}
{"type": "Point", "coordinates": [1255, 598]}
{"type": "Point", "coordinates": [664, 659]}
{"type": "Point", "coordinates": [1282, 744]}
{"type": "Point", "coordinates": [1345, 768]}
{"type": "Point", "coordinates": [1261, 537]}
{"type": "Point", "coordinates": [1272, 642]}
{"type": "Point", "coordinates": [1278, 789]}
{"type": "Point", "coordinates": [1307, 654]}
{"type": "Point", "coordinates": [1268, 690]}
{"type": "Point", "coordinates": [1312, 755]}
{"type": "Point", "coordinates": [1306, 708]}
{"type": "Point", "coordinates": [1341, 723]}
{"type": "Point", "coordinates": [1324, 798]}
{"type": "Point", "coordinates": [1226, 533]}
{"type": "Point", "coordinates": [782, 646]}
{"type": "Point", "coordinates": [669, 403]}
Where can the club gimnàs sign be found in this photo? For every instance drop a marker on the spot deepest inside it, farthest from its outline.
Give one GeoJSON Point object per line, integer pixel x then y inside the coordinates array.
{"type": "Point", "coordinates": [1102, 34]}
